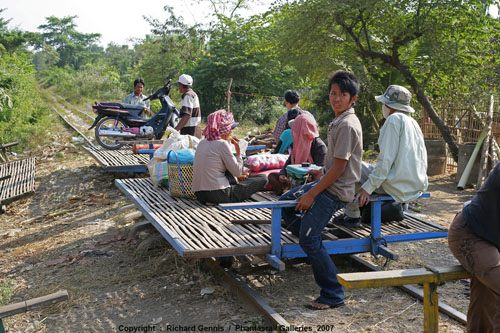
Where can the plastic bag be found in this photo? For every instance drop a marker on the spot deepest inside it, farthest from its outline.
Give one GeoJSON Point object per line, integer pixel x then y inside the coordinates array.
{"type": "Point", "coordinates": [175, 142]}
{"type": "Point", "coordinates": [261, 162]}
{"type": "Point", "coordinates": [158, 172]}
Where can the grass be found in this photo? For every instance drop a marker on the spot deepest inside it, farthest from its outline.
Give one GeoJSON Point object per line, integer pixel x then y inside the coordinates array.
{"type": "Point", "coordinates": [6, 291]}
{"type": "Point", "coordinates": [247, 128]}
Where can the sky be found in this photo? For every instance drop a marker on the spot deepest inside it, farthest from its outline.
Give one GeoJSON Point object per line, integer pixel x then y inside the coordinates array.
{"type": "Point", "coordinates": [116, 20]}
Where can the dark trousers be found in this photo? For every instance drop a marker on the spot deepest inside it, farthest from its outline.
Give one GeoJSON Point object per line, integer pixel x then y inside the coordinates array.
{"type": "Point", "coordinates": [308, 228]}
{"type": "Point", "coordinates": [482, 259]}
{"type": "Point", "coordinates": [234, 193]}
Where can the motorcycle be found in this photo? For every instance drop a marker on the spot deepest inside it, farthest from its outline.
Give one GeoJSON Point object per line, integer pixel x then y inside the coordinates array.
{"type": "Point", "coordinates": [118, 122]}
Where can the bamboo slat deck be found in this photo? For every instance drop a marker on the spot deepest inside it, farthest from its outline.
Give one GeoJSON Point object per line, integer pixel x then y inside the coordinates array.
{"type": "Point", "coordinates": [121, 160]}
{"type": "Point", "coordinates": [199, 231]}
{"type": "Point", "coordinates": [410, 224]}
{"type": "Point", "coordinates": [21, 181]}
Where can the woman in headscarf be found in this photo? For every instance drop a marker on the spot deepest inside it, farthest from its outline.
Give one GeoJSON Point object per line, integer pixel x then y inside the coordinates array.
{"type": "Point", "coordinates": [214, 160]}
{"type": "Point", "coordinates": [307, 147]}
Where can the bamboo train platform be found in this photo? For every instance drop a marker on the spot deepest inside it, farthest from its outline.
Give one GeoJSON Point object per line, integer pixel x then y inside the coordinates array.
{"type": "Point", "coordinates": [254, 227]}
{"type": "Point", "coordinates": [19, 179]}
{"type": "Point", "coordinates": [120, 160]}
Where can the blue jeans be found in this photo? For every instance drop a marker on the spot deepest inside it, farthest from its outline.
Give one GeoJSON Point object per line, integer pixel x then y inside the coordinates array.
{"type": "Point", "coordinates": [309, 228]}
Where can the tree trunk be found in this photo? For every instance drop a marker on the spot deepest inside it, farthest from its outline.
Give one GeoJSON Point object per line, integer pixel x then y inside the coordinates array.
{"type": "Point", "coordinates": [393, 60]}
{"type": "Point", "coordinates": [429, 109]}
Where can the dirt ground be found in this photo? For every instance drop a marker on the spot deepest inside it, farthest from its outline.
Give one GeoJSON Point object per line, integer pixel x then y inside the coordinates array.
{"type": "Point", "coordinates": [77, 232]}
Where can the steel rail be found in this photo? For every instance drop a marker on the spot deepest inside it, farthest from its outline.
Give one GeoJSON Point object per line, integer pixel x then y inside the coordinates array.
{"type": "Point", "coordinates": [244, 292]}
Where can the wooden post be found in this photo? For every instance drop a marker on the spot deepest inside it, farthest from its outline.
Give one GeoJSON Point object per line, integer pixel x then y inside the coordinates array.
{"type": "Point", "coordinates": [484, 152]}
{"type": "Point", "coordinates": [228, 93]}
{"type": "Point", "coordinates": [496, 147]}
{"type": "Point", "coordinates": [431, 309]}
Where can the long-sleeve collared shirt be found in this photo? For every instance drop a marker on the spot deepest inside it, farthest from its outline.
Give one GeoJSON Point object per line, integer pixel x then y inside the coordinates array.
{"type": "Point", "coordinates": [401, 168]}
{"type": "Point", "coordinates": [211, 161]}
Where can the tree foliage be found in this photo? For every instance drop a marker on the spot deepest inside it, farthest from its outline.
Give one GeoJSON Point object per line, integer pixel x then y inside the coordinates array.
{"type": "Point", "coordinates": [238, 50]}
{"type": "Point", "coordinates": [74, 48]}
{"type": "Point", "coordinates": [23, 115]}
{"type": "Point", "coordinates": [441, 49]}
{"type": "Point", "coordinates": [435, 47]}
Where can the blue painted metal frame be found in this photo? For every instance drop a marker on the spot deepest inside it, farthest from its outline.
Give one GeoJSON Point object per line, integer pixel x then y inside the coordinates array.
{"type": "Point", "coordinates": [256, 147]}
{"type": "Point", "coordinates": [151, 151]}
{"type": "Point", "coordinates": [376, 244]}
{"type": "Point", "coordinates": [140, 168]}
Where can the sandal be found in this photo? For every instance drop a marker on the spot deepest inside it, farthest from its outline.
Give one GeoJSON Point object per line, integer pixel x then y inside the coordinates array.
{"type": "Point", "coordinates": [317, 306]}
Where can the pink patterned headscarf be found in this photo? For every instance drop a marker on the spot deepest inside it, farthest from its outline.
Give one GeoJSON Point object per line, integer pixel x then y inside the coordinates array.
{"type": "Point", "coordinates": [304, 131]}
{"type": "Point", "coordinates": [218, 122]}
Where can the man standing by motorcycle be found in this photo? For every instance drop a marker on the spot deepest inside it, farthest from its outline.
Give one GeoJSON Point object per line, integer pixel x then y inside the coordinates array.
{"type": "Point", "coordinates": [190, 113]}
{"type": "Point", "coordinates": [137, 98]}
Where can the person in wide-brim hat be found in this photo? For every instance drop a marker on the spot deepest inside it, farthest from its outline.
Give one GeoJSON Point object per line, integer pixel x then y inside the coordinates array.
{"type": "Point", "coordinates": [401, 167]}
{"type": "Point", "coordinates": [397, 98]}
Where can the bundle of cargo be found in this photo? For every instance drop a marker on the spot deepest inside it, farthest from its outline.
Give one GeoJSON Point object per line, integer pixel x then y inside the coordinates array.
{"type": "Point", "coordinates": [266, 138]}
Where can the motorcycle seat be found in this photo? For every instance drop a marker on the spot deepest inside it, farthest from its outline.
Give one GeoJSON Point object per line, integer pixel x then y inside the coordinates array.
{"type": "Point", "coordinates": [132, 109]}
{"type": "Point", "coordinates": [115, 105]}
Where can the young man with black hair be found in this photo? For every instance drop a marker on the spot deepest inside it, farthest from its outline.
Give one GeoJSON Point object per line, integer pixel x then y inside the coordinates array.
{"type": "Point", "coordinates": [318, 201]}
{"type": "Point", "coordinates": [137, 98]}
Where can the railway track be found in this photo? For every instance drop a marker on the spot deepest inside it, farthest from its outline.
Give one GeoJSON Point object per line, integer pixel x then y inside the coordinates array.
{"type": "Point", "coordinates": [79, 122]}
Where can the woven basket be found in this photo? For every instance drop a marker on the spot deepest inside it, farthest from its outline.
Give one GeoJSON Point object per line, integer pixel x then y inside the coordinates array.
{"type": "Point", "coordinates": [180, 178]}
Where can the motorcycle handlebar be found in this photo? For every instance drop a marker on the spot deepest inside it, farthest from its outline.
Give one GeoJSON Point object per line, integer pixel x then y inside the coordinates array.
{"type": "Point", "coordinates": [155, 95]}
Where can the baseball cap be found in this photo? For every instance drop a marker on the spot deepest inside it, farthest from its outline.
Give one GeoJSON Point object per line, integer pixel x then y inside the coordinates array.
{"type": "Point", "coordinates": [185, 79]}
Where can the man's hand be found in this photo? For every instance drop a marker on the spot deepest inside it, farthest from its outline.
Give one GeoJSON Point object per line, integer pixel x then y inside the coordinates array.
{"type": "Point", "coordinates": [305, 202]}
{"type": "Point", "coordinates": [363, 197]}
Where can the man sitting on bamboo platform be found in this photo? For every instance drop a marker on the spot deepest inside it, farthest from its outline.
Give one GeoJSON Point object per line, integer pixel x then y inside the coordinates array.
{"type": "Point", "coordinates": [216, 169]}
{"type": "Point", "coordinates": [401, 167]}
{"type": "Point", "coordinates": [474, 239]}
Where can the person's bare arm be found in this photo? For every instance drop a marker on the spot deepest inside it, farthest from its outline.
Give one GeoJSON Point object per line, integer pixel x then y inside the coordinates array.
{"type": "Point", "coordinates": [305, 201]}
{"type": "Point", "coordinates": [182, 122]}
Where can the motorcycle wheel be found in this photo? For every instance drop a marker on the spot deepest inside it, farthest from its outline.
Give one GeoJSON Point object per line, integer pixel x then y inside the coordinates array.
{"type": "Point", "coordinates": [109, 142]}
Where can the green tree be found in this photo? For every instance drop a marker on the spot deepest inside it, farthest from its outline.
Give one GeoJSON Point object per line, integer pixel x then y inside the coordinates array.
{"type": "Point", "coordinates": [239, 49]}
{"type": "Point", "coordinates": [24, 116]}
{"type": "Point", "coordinates": [11, 39]}
{"type": "Point", "coordinates": [74, 48]}
{"type": "Point", "coordinates": [172, 48]}
{"type": "Point", "coordinates": [432, 46]}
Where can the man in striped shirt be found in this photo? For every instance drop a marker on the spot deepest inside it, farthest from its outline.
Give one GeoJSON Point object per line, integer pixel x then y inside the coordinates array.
{"type": "Point", "coordinates": [190, 113]}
